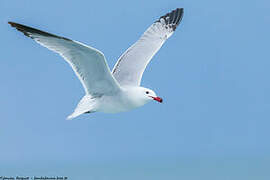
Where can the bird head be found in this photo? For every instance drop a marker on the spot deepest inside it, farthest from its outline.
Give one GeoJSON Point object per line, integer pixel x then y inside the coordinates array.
{"type": "Point", "coordinates": [145, 95]}
{"type": "Point", "coordinates": [150, 94]}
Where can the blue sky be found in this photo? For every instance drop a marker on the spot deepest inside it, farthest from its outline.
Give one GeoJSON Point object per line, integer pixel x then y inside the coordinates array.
{"type": "Point", "coordinates": [213, 75]}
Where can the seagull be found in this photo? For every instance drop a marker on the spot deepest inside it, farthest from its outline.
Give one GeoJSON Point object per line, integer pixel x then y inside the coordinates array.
{"type": "Point", "coordinates": [108, 91]}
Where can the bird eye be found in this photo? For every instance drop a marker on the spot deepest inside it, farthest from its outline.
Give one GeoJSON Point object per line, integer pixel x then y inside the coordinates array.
{"type": "Point", "coordinates": [147, 92]}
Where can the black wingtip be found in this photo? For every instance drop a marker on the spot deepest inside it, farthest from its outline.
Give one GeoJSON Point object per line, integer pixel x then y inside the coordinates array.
{"type": "Point", "coordinates": [11, 23]}
{"type": "Point", "coordinates": [181, 14]}
{"type": "Point", "coordinates": [173, 18]}
{"type": "Point", "coordinates": [19, 27]}
{"type": "Point", "coordinates": [27, 31]}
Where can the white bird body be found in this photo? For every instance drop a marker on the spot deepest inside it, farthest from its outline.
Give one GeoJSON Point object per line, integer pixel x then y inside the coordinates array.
{"type": "Point", "coordinates": [119, 90]}
{"type": "Point", "coordinates": [126, 99]}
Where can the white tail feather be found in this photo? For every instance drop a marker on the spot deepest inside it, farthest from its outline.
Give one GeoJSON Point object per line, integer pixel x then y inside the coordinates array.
{"type": "Point", "coordinates": [86, 104]}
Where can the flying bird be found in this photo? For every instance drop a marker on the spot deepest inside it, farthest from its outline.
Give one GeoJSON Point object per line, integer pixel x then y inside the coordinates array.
{"type": "Point", "coordinates": [108, 91]}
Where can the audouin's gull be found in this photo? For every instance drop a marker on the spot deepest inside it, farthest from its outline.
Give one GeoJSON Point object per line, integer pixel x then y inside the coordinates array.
{"type": "Point", "coordinates": [107, 91]}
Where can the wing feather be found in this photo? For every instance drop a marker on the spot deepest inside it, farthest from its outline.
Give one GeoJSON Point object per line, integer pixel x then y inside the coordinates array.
{"type": "Point", "coordinates": [88, 63]}
{"type": "Point", "coordinates": [130, 66]}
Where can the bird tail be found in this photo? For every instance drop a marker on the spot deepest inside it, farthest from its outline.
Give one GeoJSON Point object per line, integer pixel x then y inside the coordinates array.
{"type": "Point", "coordinates": [73, 115]}
{"type": "Point", "coordinates": [86, 105]}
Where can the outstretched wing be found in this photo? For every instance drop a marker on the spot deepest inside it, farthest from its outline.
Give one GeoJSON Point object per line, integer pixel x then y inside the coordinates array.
{"type": "Point", "coordinates": [130, 66]}
{"type": "Point", "coordinates": [88, 63]}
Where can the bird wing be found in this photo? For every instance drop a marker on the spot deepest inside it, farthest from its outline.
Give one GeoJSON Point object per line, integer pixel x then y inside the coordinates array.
{"type": "Point", "coordinates": [130, 66]}
{"type": "Point", "coordinates": [88, 63]}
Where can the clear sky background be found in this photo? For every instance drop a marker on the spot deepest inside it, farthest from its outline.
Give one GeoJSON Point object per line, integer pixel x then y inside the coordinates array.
{"type": "Point", "coordinates": [213, 75]}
